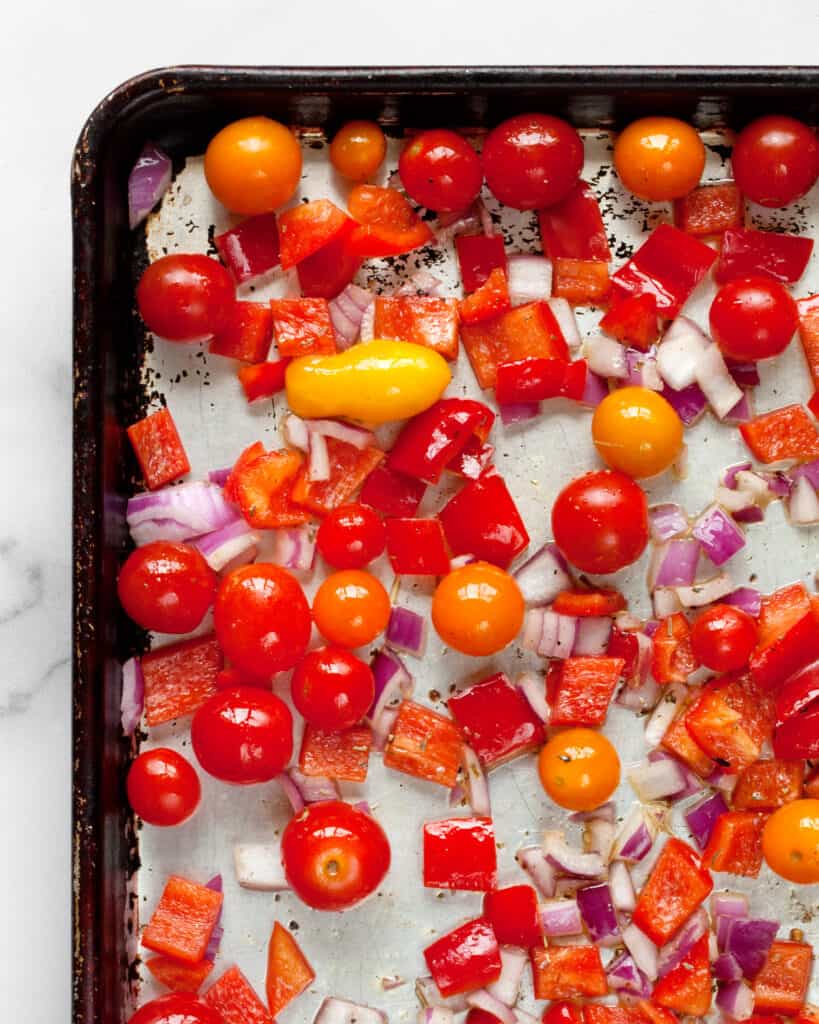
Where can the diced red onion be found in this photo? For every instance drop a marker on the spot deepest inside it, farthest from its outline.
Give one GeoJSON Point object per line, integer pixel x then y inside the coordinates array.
{"type": "Point", "coordinates": [742, 412]}
{"type": "Point", "coordinates": [597, 910]}
{"type": "Point", "coordinates": [518, 412]}
{"type": "Point", "coordinates": [674, 563]}
{"type": "Point", "coordinates": [382, 726]}
{"type": "Point", "coordinates": [642, 369]}
{"type": "Point", "coordinates": [341, 1011]}
{"type": "Point", "coordinates": [560, 917]}
{"type": "Point", "coordinates": [693, 784]}
{"type": "Point", "coordinates": [421, 283]}
{"type": "Point", "coordinates": [529, 278]}
{"type": "Point", "coordinates": [657, 780]}
{"type": "Point", "coordinates": [569, 861]}
{"type": "Point", "coordinates": [595, 390]}
{"type": "Point", "coordinates": [215, 940]}
{"type": "Point", "coordinates": [231, 546]}
{"type": "Point", "coordinates": [642, 950]}
{"type": "Point", "coordinates": [809, 470]}
{"type": "Point", "coordinates": [688, 403]}
{"type": "Point", "coordinates": [542, 577]}
{"type": "Point", "coordinates": [598, 837]}
{"type": "Point", "coordinates": [435, 1015]}
{"type": "Point", "coordinates": [558, 635]}
{"type": "Point", "coordinates": [729, 477]}
{"type": "Point", "coordinates": [721, 779]}
{"type": "Point", "coordinates": [679, 354]}
{"type": "Point", "coordinates": [745, 374]}
{"type": "Point", "coordinates": [665, 602]}
{"type": "Point", "coordinates": [675, 951]}
{"type": "Point", "coordinates": [628, 622]}
{"type": "Point", "coordinates": [592, 635]}
{"type": "Point", "coordinates": [393, 683]}
{"type": "Point", "coordinates": [778, 484]}
{"type": "Point", "coordinates": [749, 599]}
{"type": "Point", "coordinates": [476, 782]}
{"type": "Point", "coordinates": [624, 976]}
{"type": "Point", "coordinates": [803, 505]}
{"type": "Point", "coordinates": [702, 593]}
{"type": "Point", "coordinates": [666, 521]}
{"type": "Point", "coordinates": [313, 788]}
{"type": "Point", "coordinates": [605, 812]}
{"type": "Point", "coordinates": [636, 836]}
{"type": "Point", "coordinates": [566, 321]}
{"type": "Point", "coordinates": [133, 696]}
{"type": "Point", "coordinates": [484, 1000]}
{"type": "Point", "coordinates": [749, 515]}
{"type": "Point", "coordinates": [734, 501]}
{"type": "Point", "coordinates": [749, 942]}
{"type": "Point", "coordinates": [514, 962]}
{"type": "Point", "coordinates": [623, 894]}
{"type": "Point", "coordinates": [533, 688]}
{"type": "Point", "coordinates": [723, 927]}
{"type": "Point", "coordinates": [718, 534]}
{"type": "Point", "coordinates": [729, 904]}
{"type": "Point", "coordinates": [533, 861]}
{"type": "Point", "coordinates": [717, 384]}
{"type": "Point", "coordinates": [292, 792]}
{"type": "Point", "coordinates": [639, 694]}
{"type": "Point", "coordinates": [726, 968]}
{"type": "Point", "coordinates": [347, 433]}
{"type": "Point", "coordinates": [296, 432]}
{"type": "Point", "coordinates": [606, 357]}
{"type": "Point", "coordinates": [219, 476]}
{"type": "Point", "coordinates": [463, 225]}
{"type": "Point", "coordinates": [196, 508]}
{"type": "Point", "coordinates": [148, 182]}
{"type": "Point", "coordinates": [318, 460]}
{"type": "Point", "coordinates": [259, 866]}
{"type": "Point", "coordinates": [367, 330]}
{"type": "Point", "coordinates": [295, 548]}
{"type": "Point", "coordinates": [407, 631]}
{"type": "Point", "coordinates": [532, 629]}
{"type": "Point", "coordinates": [428, 995]}
{"type": "Point", "coordinates": [736, 999]}
{"type": "Point", "coordinates": [664, 714]}
{"type": "Point", "coordinates": [346, 313]}
{"type": "Point", "coordinates": [702, 817]}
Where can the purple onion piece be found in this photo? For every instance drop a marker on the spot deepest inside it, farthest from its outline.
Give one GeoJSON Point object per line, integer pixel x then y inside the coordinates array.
{"type": "Point", "coordinates": [518, 412]}
{"type": "Point", "coordinates": [597, 910]}
{"type": "Point", "coordinates": [675, 951]}
{"type": "Point", "coordinates": [666, 521]}
{"type": "Point", "coordinates": [702, 816]}
{"type": "Point", "coordinates": [407, 631]}
{"type": "Point", "coordinates": [718, 534]}
{"type": "Point", "coordinates": [148, 182]}
{"type": "Point", "coordinates": [749, 942]}
{"type": "Point", "coordinates": [133, 696]}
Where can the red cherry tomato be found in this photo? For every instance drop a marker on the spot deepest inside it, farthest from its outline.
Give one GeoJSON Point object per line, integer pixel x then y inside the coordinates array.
{"type": "Point", "coordinates": [532, 160]}
{"type": "Point", "coordinates": [441, 171]}
{"type": "Point", "coordinates": [775, 160]}
{"type": "Point", "coordinates": [351, 536]}
{"type": "Point", "coordinates": [163, 787]}
{"type": "Point", "coordinates": [753, 318]}
{"type": "Point", "coordinates": [332, 688]}
{"type": "Point", "coordinates": [562, 1012]}
{"type": "Point", "coordinates": [334, 855]}
{"type": "Point", "coordinates": [600, 521]}
{"type": "Point", "coordinates": [723, 638]}
{"type": "Point", "coordinates": [176, 1008]}
{"type": "Point", "coordinates": [262, 620]}
{"type": "Point", "coordinates": [243, 735]}
{"type": "Point", "coordinates": [166, 587]}
{"type": "Point", "coordinates": [185, 296]}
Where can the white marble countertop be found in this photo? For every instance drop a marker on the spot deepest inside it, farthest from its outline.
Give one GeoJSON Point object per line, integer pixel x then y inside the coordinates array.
{"type": "Point", "coordinates": [57, 62]}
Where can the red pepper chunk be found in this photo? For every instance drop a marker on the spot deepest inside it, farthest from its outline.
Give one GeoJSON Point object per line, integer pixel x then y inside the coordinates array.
{"type": "Point", "coordinates": [781, 610]}
{"type": "Point", "coordinates": [672, 656]}
{"type": "Point", "coordinates": [529, 330]}
{"type": "Point", "coordinates": [459, 853]}
{"type": "Point", "coordinates": [710, 209]}
{"type": "Point", "coordinates": [799, 736]}
{"type": "Point", "coordinates": [730, 720]}
{"type": "Point", "coordinates": [513, 913]}
{"type": "Point", "coordinates": [392, 493]}
{"type": "Point", "coordinates": [782, 984]}
{"type": "Point", "coordinates": [584, 690]}
{"type": "Point", "coordinates": [306, 228]}
{"type": "Point", "coordinates": [387, 223]}
{"type": "Point", "coordinates": [473, 460]}
{"type": "Point", "coordinates": [176, 976]}
{"type": "Point", "coordinates": [651, 1014]}
{"type": "Point", "coordinates": [263, 380]}
{"type": "Point", "coordinates": [247, 334]}
{"type": "Point", "coordinates": [687, 987]}
{"type": "Point", "coordinates": [808, 310]}
{"type": "Point", "coordinates": [262, 484]}
{"type": "Point", "coordinates": [581, 282]}
{"type": "Point", "coordinates": [288, 970]}
{"type": "Point", "coordinates": [568, 972]}
{"type": "Point", "coordinates": [787, 433]}
{"type": "Point", "coordinates": [675, 888]}
{"type": "Point", "coordinates": [767, 785]}
{"type": "Point", "coordinates": [431, 440]}
{"type": "Point", "coordinates": [424, 744]}
{"type": "Point", "coordinates": [735, 844]}
{"type": "Point", "coordinates": [668, 265]}
{"type": "Point", "coordinates": [601, 1013]}
{"type": "Point", "coordinates": [232, 997]}
{"type": "Point", "coordinates": [677, 740]}
{"type": "Point", "coordinates": [534, 379]}
{"type": "Point", "coordinates": [183, 920]}
{"type": "Point", "coordinates": [585, 603]}
{"type": "Point", "coordinates": [349, 467]}
{"type": "Point", "coordinates": [331, 268]}
{"type": "Point", "coordinates": [482, 519]}
{"type": "Point", "coordinates": [303, 327]}
{"type": "Point", "coordinates": [633, 321]}
{"type": "Point", "coordinates": [574, 227]}
{"type": "Point", "coordinates": [488, 301]}
{"type": "Point", "coordinates": [158, 449]}
{"type": "Point", "coordinates": [748, 253]}
{"type": "Point", "coordinates": [341, 755]}
{"type": "Point", "coordinates": [421, 319]}
{"type": "Point", "coordinates": [251, 248]}
{"type": "Point", "coordinates": [478, 256]}
{"type": "Point", "coordinates": [496, 721]}
{"type": "Point", "coordinates": [416, 547]}
{"type": "Point", "coordinates": [180, 677]}
{"type": "Point", "coordinates": [798, 694]}
{"type": "Point", "coordinates": [788, 654]}
{"type": "Point", "coordinates": [464, 959]}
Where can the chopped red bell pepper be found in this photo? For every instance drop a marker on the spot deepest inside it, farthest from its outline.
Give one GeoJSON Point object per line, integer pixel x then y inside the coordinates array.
{"type": "Point", "coordinates": [464, 959]}
{"type": "Point", "coordinates": [813, 404]}
{"type": "Point", "coordinates": [429, 441]}
{"type": "Point", "coordinates": [584, 689]}
{"type": "Point", "coordinates": [807, 1015]}
{"type": "Point", "coordinates": [568, 972]}
{"type": "Point", "coordinates": [478, 256]}
{"type": "Point", "coordinates": [473, 460]}
{"type": "Point", "coordinates": [678, 741]}
{"type": "Point", "coordinates": [176, 976]}
{"type": "Point", "coordinates": [262, 484]}
{"type": "Point", "coordinates": [496, 720]}
{"type": "Point", "coordinates": [730, 720]}
{"type": "Point", "coordinates": [183, 920]}
{"type": "Point", "coordinates": [710, 209]}
{"type": "Point", "coordinates": [391, 493]}
{"type": "Point", "coordinates": [811, 787]}
{"type": "Point", "coordinates": [797, 649]}
{"type": "Point", "coordinates": [529, 330]}
{"type": "Point", "coordinates": [668, 265]}
{"type": "Point", "coordinates": [424, 744]}
{"type": "Point", "coordinates": [534, 379]}
{"type": "Point", "coordinates": [488, 301]}
{"type": "Point", "coordinates": [303, 327]}
{"type": "Point", "coordinates": [263, 380]}
{"type": "Point", "coordinates": [387, 223]}
{"type": "Point", "coordinates": [422, 319]}
{"type": "Point", "coordinates": [180, 677]}
{"type": "Point", "coordinates": [687, 987]}
{"type": "Point", "coordinates": [288, 970]}
{"type": "Point", "coordinates": [582, 282]}
{"type": "Point", "coordinates": [482, 519]}
{"type": "Point", "coordinates": [808, 309]}
{"type": "Point", "coordinates": [514, 914]}
{"type": "Point", "coordinates": [748, 253]}
{"type": "Point", "coordinates": [798, 694]}
{"type": "Point", "coordinates": [459, 853]}
{"type": "Point", "coordinates": [341, 755]}
{"type": "Point", "coordinates": [158, 449]}
{"type": "Point", "coordinates": [735, 844]}
{"type": "Point", "coordinates": [652, 1014]}
{"type": "Point", "coordinates": [677, 885]}
{"type": "Point", "coordinates": [416, 547]}
{"type": "Point", "coordinates": [782, 984]}
{"type": "Point", "coordinates": [799, 736]}
{"type": "Point", "coordinates": [625, 645]}
{"type": "Point", "coordinates": [349, 467]}
{"type": "Point", "coordinates": [574, 227]}
{"type": "Point", "coordinates": [251, 248]}
{"type": "Point", "coordinates": [633, 320]}
{"type": "Point", "coordinates": [308, 227]}
{"type": "Point", "coordinates": [233, 997]}
{"type": "Point", "coordinates": [672, 656]}
{"type": "Point", "coordinates": [331, 268]}
{"type": "Point", "coordinates": [585, 603]}
{"type": "Point", "coordinates": [602, 1013]}
{"type": "Point", "coordinates": [247, 334]}
{"type": "Point", "coordinates": [780, 611]}
{"type": "Point", "coordinates": [787, 433]}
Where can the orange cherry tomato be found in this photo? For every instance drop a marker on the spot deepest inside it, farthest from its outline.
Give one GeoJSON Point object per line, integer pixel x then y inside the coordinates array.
{"type": "Point", "coordinates": [477, 609]}
{"type": "Point", "coordinates": [253, 165]}
{"type": "Point", "coordinates": [579, 769]}
{"type": "Point", "coordinates": [358, 150]}
{"type": "Point", "coordinates": [659, 158]}
{"type": "Point", "coordinates": [351, 608]}
{"type": "Point", "coordinates": [637, 431]}
{"type": "Point", "coordinates": [790, 842]}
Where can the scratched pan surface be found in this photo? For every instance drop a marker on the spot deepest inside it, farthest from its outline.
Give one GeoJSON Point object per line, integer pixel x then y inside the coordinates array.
{"type": "Point", "coordinates": [353, 952]}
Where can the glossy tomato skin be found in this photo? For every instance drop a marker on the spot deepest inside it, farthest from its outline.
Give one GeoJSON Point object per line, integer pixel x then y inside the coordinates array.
{"type": "Point", "coordinates": [332, 688]}
{"type": "Point", "coordinates": [163, 787]}
{"type": "Point", "coordinates": [562, 1012]}
{"type": "Point", "coordinates": [579, 769]}
{"type": "Point", "coordinates": [600, 521]}
{"type": "Point", "coordinates": [659, 158]}
{"type": "Point", "coordinates": [637, 431]}
{"type": "Point", "coordinates": [243, 735]}
{"type": "Point", "coordinates": [351, 536]}
{"type": "Point", "coordinates": [358, 150]}
{"type": "Point", "coordinates": [334, 855]}
{"type": "Point", "coordinates": [790, 841]}
{"type": "Point", "coordinates": [351, 608]}
{"type": "Point", "coordinates": [185, 296]}
{"type": "Point", "coordinates": [723, 638]}
{"type": "Point", "coordinates": [753, 318]}
{"type": "Point", "coordinates": [176, 1008]}
{"type": "Point", "coordinates": [166, 587]}
{"type": "Point", "coordinates": [262, 620]}
{"type": "Point", "coordinates": [253, 165]}
{"type": "Point", "coordinates": [440, 170]}
{"type": "Point", "coordinates": [775, 160]}
{"type": "Point", "coordinates": [477, 609]}
{"type": "Point", "coordinates": [532, 160]}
